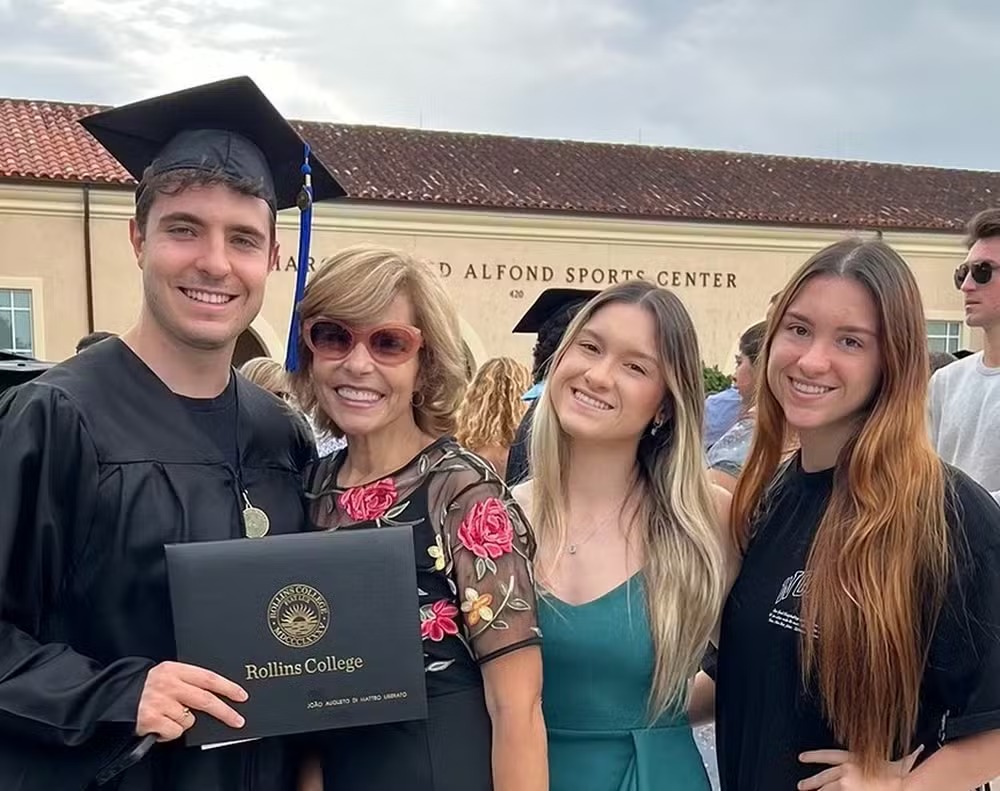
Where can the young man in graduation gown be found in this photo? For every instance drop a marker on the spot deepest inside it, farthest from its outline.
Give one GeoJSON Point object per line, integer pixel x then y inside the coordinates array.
{"type": "Point", "coordinates": [146, 440]}
{"type": "Point", "coordinates": [548, 317]}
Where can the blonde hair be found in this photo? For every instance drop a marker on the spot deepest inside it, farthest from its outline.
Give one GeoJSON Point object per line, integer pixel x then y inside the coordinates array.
{"type": "Point", "coordinates": [684, 562]}
{"type": "Point", "coordinates": [493, 407]}
{"type": "Point", "coordinates": [267, 373]}
{"type": "Point", "coordinates": [356, 286]}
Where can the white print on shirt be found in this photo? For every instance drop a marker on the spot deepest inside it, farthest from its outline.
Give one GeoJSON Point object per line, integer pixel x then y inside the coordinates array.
{"type": "Point", "coordinates": [794, 587]}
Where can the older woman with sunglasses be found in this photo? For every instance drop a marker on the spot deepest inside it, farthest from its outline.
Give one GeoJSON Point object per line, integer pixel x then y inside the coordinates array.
{"type": "Point", "coordinates": [382, 364]}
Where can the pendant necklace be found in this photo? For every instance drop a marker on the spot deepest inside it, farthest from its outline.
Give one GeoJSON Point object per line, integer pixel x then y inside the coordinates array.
{"type": "Point", "coordinates": [255, 521]}
{"type": "Point", "coordinates": [572, 548]}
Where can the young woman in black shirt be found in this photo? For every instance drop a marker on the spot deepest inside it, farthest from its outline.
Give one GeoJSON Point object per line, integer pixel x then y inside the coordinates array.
{"type": "Point", "coordinates": [860, 644]}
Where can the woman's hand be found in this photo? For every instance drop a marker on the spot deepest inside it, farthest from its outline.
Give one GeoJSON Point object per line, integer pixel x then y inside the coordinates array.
{"type": "Point", "coordinates": [845, 773]}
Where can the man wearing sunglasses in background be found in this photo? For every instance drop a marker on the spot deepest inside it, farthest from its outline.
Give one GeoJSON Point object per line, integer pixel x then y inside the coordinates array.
{"type": "Point", "coordinates": [146, 440]}
{"type": "Point", "coordinates": [965, 396]}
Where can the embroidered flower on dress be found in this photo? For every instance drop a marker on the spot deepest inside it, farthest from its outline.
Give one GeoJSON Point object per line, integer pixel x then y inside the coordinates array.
{"type": "Point", "coordinates": [438, 620]}
{"type": "Point", "coordinates": [368, 502]}
{"type": "Point", "coordinates": [437, 552]}
{"type": "Point", "coordinates": [477, 606]}
{"type": "Point", "coordinates": [486, 530]}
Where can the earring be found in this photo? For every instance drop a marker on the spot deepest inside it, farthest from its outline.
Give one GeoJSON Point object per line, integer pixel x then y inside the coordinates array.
{"type": "Point", "coordinates": [657, 425]}
{"type": "Point", "coordinates": [417, 399]}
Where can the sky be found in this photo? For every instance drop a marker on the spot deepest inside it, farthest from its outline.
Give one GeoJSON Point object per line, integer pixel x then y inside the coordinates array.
{"type": "Point", "coordinates": [905, 81]}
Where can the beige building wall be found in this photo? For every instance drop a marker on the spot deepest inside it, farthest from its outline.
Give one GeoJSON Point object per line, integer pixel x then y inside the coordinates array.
{"type": "Point", "coordinates": [41, 251]}
{"type": "Point", "coordinates": [494, 264]}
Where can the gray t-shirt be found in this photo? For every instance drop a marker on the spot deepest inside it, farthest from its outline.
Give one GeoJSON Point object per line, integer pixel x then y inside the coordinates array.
{"type": "Point", "coordinates": [965, 419]}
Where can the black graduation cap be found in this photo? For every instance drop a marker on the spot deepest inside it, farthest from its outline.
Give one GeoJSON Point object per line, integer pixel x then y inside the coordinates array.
{"type": "Point", "coordinates": [232, 127]}
{"type": "Point", "coordinates": [550, 303]}
{"type": "Point", "coordinates": [227, 126]}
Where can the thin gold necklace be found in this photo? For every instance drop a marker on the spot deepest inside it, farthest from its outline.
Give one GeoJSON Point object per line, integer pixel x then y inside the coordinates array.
{"type": "Point", "coordinates": [574, 547]}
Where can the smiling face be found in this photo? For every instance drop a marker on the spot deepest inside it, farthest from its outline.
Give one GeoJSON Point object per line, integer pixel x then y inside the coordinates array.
{"type": "Point", "coordinates": [364, 397]}
{"type": "Point", "coordinates": [982, 302]}
{"type": "Point", "coordinates": [205, 253]}
{"type": "Point", "coordinates": [825, 363]}
{"type": "Point", "coordinates": [609, 386]}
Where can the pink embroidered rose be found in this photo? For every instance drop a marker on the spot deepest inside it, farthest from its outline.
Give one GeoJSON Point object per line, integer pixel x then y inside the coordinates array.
{"type": "Point", "coordinates": [437, 620]}
{"type": "Point", "coordinates": [486, 530]}
{"type": "Point", "coordinates": [368, 502]}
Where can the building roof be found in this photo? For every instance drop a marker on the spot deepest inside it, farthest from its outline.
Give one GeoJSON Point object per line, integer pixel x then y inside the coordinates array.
{"type": "Point", "coordinates": [40, 141]}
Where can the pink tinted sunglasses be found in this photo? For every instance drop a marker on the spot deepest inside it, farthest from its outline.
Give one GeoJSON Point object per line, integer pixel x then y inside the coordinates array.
{"type": "Point", "coordinates": [388, 344]}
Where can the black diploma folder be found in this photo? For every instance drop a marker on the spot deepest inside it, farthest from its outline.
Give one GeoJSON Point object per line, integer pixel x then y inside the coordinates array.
{"type": "Point", "coordinates": [321, 629]}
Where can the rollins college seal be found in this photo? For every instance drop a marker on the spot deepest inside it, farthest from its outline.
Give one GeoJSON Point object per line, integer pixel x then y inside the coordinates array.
{"type": "Point", "coordinates": [298, 616]}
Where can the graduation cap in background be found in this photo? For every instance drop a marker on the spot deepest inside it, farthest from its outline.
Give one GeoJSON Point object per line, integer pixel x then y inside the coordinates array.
{"type": "Point", "coordinates": [551, 303]}
{"type": "Point", "coordinates": [230, 127]}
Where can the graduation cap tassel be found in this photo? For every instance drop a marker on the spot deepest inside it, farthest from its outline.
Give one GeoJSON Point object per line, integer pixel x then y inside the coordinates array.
{"type": "Point", "coordinates": [305, 237]}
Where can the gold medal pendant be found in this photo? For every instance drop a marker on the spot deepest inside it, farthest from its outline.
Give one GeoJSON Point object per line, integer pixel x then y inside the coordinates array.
{"type": "Point", "coordinates": [255, 522]}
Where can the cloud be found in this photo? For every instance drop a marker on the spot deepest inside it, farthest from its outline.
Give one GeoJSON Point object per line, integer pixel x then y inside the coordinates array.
{"type": "Point", "coordinates": [48, 55]}
{"type": "Point", "coordinates": [892, 81]}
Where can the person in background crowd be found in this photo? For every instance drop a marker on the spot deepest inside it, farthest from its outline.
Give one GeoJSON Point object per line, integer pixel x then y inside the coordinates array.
{"type": "Point", "coordinates": [631, 564]}
{"type": "Point", "coordinates": [548, 317]}
{"type": "Point", "coordinates": [95, 337]}
{"type": "Point", "coordinates": [382, 364]}
{"type": "Point", "coordinates": [269, 374]}
{"type": "Point", "coordinates": [470, 362]}
{"type": "Point", "coordinates": [146, 440]}
{"type": "Point", "coordinates": [860, 643]}
{"type": "Point", "coordinates": [725, 408]}
{"type": "Point", "coordinates": [722, 410]}
{"type": "Point", "coordinates": [725, 457]}
{"type": "Point", "coordinates": [492, 410]}
{"type": "Point", "coordinates": [965, 396]}
{"type": "Point", "coordinates": [272, 376]}
{"type": "Point", "coordinates": [939, 360]}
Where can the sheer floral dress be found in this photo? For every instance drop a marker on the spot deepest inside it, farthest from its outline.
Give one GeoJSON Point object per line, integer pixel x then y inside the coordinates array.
{"type": "Point", "coordinates": [473, 548]}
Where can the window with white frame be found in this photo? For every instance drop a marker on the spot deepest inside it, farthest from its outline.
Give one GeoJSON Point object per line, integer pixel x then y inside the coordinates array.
{"type": "Point", "coordinates": [16, 333]}
{"type": "Point", "coordinates": [944, 336]}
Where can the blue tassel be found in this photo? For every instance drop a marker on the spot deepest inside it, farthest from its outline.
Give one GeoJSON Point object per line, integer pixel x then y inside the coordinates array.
{"type": "Point", "coordinates": [305, 237]}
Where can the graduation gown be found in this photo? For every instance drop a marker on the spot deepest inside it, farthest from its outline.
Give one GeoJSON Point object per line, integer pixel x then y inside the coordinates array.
{"type": "Point", "coordinates": [100, 466]}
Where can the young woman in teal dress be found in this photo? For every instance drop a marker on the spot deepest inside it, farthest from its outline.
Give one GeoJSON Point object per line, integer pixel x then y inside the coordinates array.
{"type": "Point", "coordinates": [630, 563]}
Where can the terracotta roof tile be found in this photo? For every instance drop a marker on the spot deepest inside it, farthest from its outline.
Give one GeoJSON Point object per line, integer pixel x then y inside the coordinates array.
{"type": "Point", "coordinates": [41, 141]}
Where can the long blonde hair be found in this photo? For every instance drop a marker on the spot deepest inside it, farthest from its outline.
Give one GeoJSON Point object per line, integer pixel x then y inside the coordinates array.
{"type": "Point", "coordinates": [493, 407]}
{"type": "Point", "coordinates": [684, 563]}
{"type": "Point", "coordinates": [879, 561]}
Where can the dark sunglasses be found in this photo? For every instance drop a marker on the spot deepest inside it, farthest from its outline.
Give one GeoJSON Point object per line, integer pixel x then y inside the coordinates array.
{"type": "Point", "coordinates": [388, 344]}
{"type": "Point", "coordinates": [982, 273]}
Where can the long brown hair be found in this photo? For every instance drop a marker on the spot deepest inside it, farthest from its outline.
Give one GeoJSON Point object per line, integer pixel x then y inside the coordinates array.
{"type": "Point", "coordinates": [879, 561]}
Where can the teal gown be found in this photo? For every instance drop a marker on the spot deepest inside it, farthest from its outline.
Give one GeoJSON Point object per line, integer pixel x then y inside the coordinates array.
{"type": "Point", "coordinates": [598, 664]}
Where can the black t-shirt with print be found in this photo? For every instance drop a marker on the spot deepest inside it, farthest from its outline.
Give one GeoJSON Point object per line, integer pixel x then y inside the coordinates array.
{"type": "Point", "coordinates": [766, 718]}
